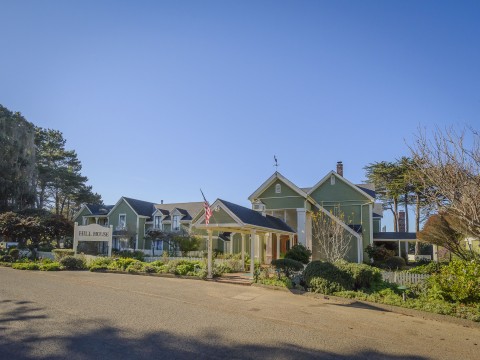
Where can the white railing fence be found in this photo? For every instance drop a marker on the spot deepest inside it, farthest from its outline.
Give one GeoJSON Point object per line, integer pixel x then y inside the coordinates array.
{"type": "Point", "coordinates": [403, 278]}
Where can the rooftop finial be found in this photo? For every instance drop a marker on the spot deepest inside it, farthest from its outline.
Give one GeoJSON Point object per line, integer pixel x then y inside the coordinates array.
{"type": "Point", "coordinates": [276, 162]}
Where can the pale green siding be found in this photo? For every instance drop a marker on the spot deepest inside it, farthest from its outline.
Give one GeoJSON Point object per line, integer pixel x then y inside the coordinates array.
{"type": "Point", "coordinates": [124, 208]}
{"type": "Point", "coordinates": [376, 225]}
{"type": "Point", "coordinates": [341, 198]}
{"type": "Point", "coordinates": [286, 199]}
{"type": "Point", "coordinates": [79, 218]}
{"type": "Point", "coordinates": [340, 192]}
{"type": "Point", "coordinates": [220, 217]}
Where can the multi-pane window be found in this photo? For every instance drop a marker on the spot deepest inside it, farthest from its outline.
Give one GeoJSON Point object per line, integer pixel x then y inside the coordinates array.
{"type": "Point", "coordinates": [122, 220]}
{"type": "Point", "coordinates": [278, 189]}
{"type": "Point", "coordinates": [176, 223]}
{"type": "Point", "coordinates": [157, 222]}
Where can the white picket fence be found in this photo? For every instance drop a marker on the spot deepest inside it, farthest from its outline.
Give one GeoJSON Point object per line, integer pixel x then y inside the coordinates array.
{"type": "Point", "coordinates": [403, 278]}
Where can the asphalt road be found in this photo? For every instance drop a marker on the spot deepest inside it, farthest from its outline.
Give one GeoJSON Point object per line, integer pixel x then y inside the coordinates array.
{"type": "Point", "coordinates": [82, 315]}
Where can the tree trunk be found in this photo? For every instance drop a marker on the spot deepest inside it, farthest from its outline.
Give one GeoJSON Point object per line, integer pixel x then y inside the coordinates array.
{"type": "Point", "coordinates": [406, 212]}
{"type": "Point", "coordinates": [395, 214]}
{"type": "Point", "coordinates": [417, 221]}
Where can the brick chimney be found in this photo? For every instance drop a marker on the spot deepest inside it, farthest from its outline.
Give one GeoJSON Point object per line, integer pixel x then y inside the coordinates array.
{"type": "Point", "coordinates": [340, 168]}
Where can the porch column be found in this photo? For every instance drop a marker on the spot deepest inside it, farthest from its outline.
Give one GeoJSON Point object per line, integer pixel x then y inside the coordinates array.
{"type": "Point", "coordinates": [268, 240]}
{"type": "Point", "coordinates": [406, 250]}
{"type": "Point", "coordinates": [308, 231]}
{"type": "Point", "coordinates": [75, 240]}
{"type": "Point", "coordinates": [253, 235]}
{"type": "Point", "coordinates": [231, 242]}
{"type": "Point", "coordinates": [209, 258]}
{"type": "Point", "coordinates": [243, 252]}
{"type": "Point", "coordinates": [109, 244]}
{"type": "Point", "coordinates": [399, 248]}
{"type": "Point", "coordinates": [278, 245]}
{"type": "Point", "coordinates": [301, 225]}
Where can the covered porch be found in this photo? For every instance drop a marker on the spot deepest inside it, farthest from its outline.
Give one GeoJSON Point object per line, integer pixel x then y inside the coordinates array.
{"type": "Point", "coordinates": [263, 232]}
{"type": "Point", "coordinates": [402, 239]}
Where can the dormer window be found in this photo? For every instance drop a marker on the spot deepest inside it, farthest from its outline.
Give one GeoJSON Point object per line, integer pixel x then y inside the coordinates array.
{"type": "Point", "coordinates": [176, 223]}
{"type": "Point", "coordinates": [278, 189]}
{"type": "Point", "coordinates": [332, 180]}
{"type": "Point", "coordinates": [157, 222]}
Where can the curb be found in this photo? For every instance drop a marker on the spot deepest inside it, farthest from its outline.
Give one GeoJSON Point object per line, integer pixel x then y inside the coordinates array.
{"type": "Point", "coordinates": [389, 308]}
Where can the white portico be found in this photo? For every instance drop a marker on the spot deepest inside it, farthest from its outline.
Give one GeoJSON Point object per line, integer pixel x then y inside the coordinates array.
{"type": "Point", "coordinates": [254, 226]}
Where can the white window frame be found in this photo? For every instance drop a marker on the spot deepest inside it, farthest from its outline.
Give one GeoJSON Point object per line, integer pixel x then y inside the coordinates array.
{"type": "Point", "coordinates": [85, 220]}
{"type": "Point", "coordinates": [120, 221]}
{"type": "Point", "coordinates": [332, 180]}
{"type": "Point", "coordinates": [278, 188]}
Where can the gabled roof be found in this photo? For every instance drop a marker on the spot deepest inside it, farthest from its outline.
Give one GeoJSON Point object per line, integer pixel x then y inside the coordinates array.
{"type": "Point", "coordinates": [188, 210]}
{"type": "Point", "coordinates": [141, 208]}
{"type": "Point", "coordinates": [97, 209]}
{"type": "Point", "coordinates": [368, 188]}
{"type": "Point", "coordinates": [270, 181]}
{"type": "Point", "coordinates": [341, 178]}
{"type": "Point", "coordinates": [252, 217]}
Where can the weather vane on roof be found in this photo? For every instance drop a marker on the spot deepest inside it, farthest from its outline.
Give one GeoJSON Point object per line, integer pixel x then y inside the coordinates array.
{"type": "Point", "coordinates": [276, 162]}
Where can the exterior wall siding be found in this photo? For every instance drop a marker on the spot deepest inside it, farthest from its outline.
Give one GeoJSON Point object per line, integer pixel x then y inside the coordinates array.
{"type": "Point", "coordinates": [286, 199]}
{"type": "Point", "coordinates": [131, 223]}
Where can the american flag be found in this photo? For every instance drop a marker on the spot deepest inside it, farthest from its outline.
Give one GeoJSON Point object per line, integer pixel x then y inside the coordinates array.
{"type": "Point", "coordinates": [208, 210]}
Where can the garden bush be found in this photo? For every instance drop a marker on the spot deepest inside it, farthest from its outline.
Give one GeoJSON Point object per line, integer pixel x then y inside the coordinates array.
{"type": "Point", "coordinates": [288, 266]}
{"type": "Point", "coordinates": [50, 266]}
{"type": "Point", "coordinates": [135, 267]}
{"type": "Point", "coordinates": [100, 264]}
{"type": "Point", "coordinates": [395, 263]}
{"type": "Point", "coordinates": [121, 264]}
{"type": "Point", "coordinates": [326, 278]}
{"type": "Point", "coordinates": [458, 281]}
{"type": "Point", "coordinates": [138, 255]}
{"type": "Point", "coordinates": [299, 253]}
{"type": "Point", "coordinates": [61, 253]}
{"type": "Point", "coordinates": [363, 276]}
{"type": "Point", "coordinates": [379, 253]}
{"type": "Point", "coordinates": [72, 263]}
{"type": "Point", "coordinates": [431, 267]}
{"type": "Point", "coordinates": [26, 266]}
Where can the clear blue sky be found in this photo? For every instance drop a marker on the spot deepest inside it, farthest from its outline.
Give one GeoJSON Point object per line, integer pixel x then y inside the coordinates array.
{"type": "Point", "coordinates": [161, 98]}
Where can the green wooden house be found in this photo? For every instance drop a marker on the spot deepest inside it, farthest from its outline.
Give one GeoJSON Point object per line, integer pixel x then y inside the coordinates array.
{"type": "Point", "coordinates": [351, 206]}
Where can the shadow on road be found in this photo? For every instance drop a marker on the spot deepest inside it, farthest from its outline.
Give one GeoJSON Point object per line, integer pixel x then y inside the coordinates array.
{"type": "Point", "coordinates": [30, 334]}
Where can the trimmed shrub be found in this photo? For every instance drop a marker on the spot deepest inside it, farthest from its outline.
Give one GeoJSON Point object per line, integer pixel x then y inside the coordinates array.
{"type": "Point", "coordinates": [51, 266]}
{"type": "Point", "coordinates": [72, 263]}
{"type": "Point", "coordinates": [379, 253]}
{"type": "Point", "coordinates": [288, 266]}
{"type": "Point", "coordinates": [138, 255]}
{"type": "Point", "coordinates": [395, 263]}
{"type": "Point", "coordinates": [26, 266]}
{"type": "Point", "coordinates": [328, 278]}
{"type": "Point", "coordinates": [100, 264]}
{"type": "Point", "coordinates": [135, 267]}
{"type": "Point", "coordinates": [431, 267]}
{"type": "Point", "coordinates": [59, 254]}
{"type": "Point", "coordinates": [149, 269]}
{"type": "Point", "coordinates": [299, 253]}
{"type": "Point", "coordinates": [121, 264]}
